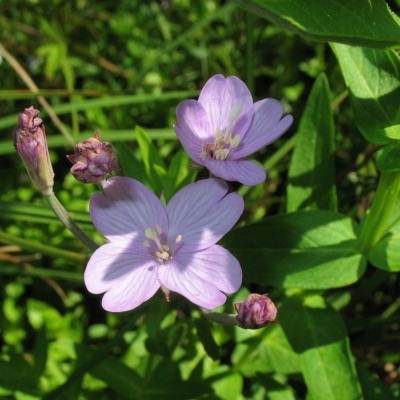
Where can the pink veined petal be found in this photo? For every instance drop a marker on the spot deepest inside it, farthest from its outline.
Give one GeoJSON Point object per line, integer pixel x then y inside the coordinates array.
{"type": "Point", "coordinates": [201, 213]}
{"type": "Point", "coordinates": [202, 276]}
{"type": "Point", "coordinates": [266, 127]}
{"type": "Point", "coordinates": [126, 209]}
{"type": "Point", "coordinates": [125, 273]}
{"type": "Point", "coordinates": [193, 128]}
{"type": "Point", "coordinates": [246, 172]}
{"type": "Point", "coordinates": [225, 100]}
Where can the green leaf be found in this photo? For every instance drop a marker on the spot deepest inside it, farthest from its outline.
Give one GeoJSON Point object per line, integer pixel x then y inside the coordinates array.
{"type": "Point", "coordinates": [388, 158]}
{"type": "Point", "coordinates": [356, 22]}
{"type": "Point", "coordinates": [267, 350]}
{"type": "Point", "coordinates": [318, 334]}
{"type": "Point", "coordinates": [230, 387]}
{"type": "Point", "coordinates": [128, 163]}
{"type": "Point", "coordinates": [179, 173]}
{"type": "Point", "coordinates": [39, 353]}
{"type": "Point", "coordinates": [392, 132]}
{"type": "Point", "coordinates": [114, 373]}
{"type": "Point", "coordinates": [166, 383]}
{"type": "Point", "coordinates": [16, 374]}
{"type": "Point", "coordinates": [165, 341]}
{"type": "Point", "coordinates": [372, 77]}
{"type": "Point", "coordinates": [203, 328]}
{"type": "Point", "coordinates": [276, 390]}
{"type": "Point", "coordinates": [306, 249]}
{"type": "Point", "coordinates": [386, 254]}
{"type": "Point", "coordinates": [152, 160]}
{"type": "Point", "coordinates": [311, 173]}
{"type": "Point", "coordinates": [277, 350]}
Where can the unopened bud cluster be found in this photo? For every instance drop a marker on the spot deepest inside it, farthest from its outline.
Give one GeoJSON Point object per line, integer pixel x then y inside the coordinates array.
{"type": "Point", "coordinates": [255, 312]}
{"type": "Point", "coordinates": [93, 160]}
{"type": "Point", "coordinates": [31, 145]}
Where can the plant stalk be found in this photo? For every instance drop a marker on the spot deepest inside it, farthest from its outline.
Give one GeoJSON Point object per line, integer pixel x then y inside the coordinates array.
{"type": "Point", "coordinates": [68, 222]}
{"type": "Point", "coordinates": [376, 221]}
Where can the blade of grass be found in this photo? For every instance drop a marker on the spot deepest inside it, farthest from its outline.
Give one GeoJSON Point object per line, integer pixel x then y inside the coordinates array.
{"type": "Point", "coordinates": [47, 250]}
{"type": "Point", "coordinates": [32, 86]}
{"type": "Point", "coordinates": [53, 141]}
{"type": "Point", "coordinates": [60, 109]}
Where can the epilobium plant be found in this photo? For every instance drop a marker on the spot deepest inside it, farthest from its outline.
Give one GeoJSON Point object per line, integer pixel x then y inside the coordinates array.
{"type": "Point", "coordinates": [152, 245]}
{"type": "Point", "coordinates": [171, 247]}
{"type": "Point", "coordinates": [224, 126]}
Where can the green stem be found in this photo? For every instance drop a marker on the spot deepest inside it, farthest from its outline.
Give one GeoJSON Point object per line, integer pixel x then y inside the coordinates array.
{"type": "Point", "coordinates": [68, 222]}
{"type": "Point", "coordinates": [375, 222]}
{"type": "Point", "coordinates": [220, 318]}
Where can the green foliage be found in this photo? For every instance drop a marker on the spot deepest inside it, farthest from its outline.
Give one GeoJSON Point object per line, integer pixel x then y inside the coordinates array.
{"type": "Point", "coordinates": [311, 183]}
{"type": "Point", "coordinates": [320, 235]}
{"type": "Point", "coordinates": [318, 334]}
{"type": "Point", "coordinates": [387, 158]}
{"type": "Point", "coordinates": [318, 20]}
{"type": "Point", "coordinates": [372, 79]}
{"type": "Point", "coordinates": [310, 250]}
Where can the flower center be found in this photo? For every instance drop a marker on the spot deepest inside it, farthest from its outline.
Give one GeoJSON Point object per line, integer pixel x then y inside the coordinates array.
{"type": "Point", "coordinates": [223, 142]}
{"type": "Point", "coordinates": [156, 242]}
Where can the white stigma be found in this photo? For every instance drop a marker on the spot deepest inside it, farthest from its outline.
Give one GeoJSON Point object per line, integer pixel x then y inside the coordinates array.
{"type": "Point", "coordinates": [223, 143]}
{"type": "Point", "coordinates": [156, 243]}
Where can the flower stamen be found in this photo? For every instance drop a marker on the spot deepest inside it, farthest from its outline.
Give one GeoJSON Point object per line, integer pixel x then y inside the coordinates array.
{"type": "Point", "coordinates": [223, 143]}
{"type": "Point", "coordinates": [161, 251]}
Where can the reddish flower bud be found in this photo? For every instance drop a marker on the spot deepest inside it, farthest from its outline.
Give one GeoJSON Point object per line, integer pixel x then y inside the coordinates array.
{"type": "Point", "coordinates": [255, 312]}
{"type": "Point", "coordinates": [93, 160]}
{"type": "Point", "coordinates": [31, 144]}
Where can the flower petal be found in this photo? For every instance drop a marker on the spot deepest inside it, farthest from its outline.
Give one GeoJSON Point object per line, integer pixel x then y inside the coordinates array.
{"type": "Point", "coordinates": [125, 272]}
{"type": "Point", "coordinates": [225, 101]}
{"type": "Point", "coordinates": [266, 127]}
{"type": "Point", "coordinates": [201, 276]}
{"type": "Point", "coordinates": [201, 213]}
{"type": "Point", "coordinates": [193, 128]}
{"type": "Point", "coordinates": [247, 172]}
{"type": "Point", "coordinates": [126, 209]}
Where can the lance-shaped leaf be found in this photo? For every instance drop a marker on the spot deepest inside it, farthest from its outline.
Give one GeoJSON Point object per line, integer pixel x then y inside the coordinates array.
{"type": "Point", "coordinates": [388, 158]}
{"type": "Point", "coordinates": [306, 249]}
{"type": "Point", "coordinates": [356, 22]}
{"type": "Point", "coordinates": [372, 77]}
{"type": "Point", "coordinates": [311, 173]}
{"type": "Point", "coordinates": [318, 334]}
{"type": "Point", "coordinates": [386, 254]}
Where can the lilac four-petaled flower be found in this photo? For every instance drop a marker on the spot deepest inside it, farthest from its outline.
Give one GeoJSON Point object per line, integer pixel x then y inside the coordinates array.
{"type": "Point", "coordinates": [224, 126]}
{"type": "Point", "coordinates": [152, 245]}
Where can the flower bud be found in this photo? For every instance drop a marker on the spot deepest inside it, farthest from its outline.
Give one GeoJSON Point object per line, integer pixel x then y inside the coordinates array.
{"type": "Point", "coordinates": [255, 312]}
{"type": "Point", "coordinates": [31, 145]}
{"type": "Point", "coordinates": [93, 160]}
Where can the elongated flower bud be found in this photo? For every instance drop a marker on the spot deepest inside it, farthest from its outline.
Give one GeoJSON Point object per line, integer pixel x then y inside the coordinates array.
{"type": "Point", "coordinates": [255, 312]}
{"type": "Point", "coordinates": [93, 160]}
{"type": "Point", "coordinates": [31, 144]}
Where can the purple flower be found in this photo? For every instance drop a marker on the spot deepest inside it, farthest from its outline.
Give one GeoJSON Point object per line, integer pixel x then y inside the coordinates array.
{"type": "Point", "coordinates": [173, 247]}
{"type": "Point", "coordinates": [224, 127]}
